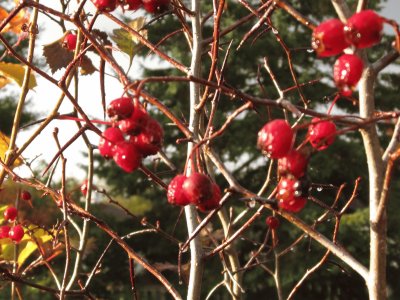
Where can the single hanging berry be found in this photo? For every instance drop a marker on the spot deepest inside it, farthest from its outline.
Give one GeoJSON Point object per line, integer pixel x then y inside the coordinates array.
{"type": "Point", "coordinates": [70, 41]}
{"type": "Point", "coordinates": [105, 5]}
{"type": "Point", "coordinates": [4, 230]}
{"type": "Point", "coordinates": [175, 194]}
{"type": "Point", "coordinates": [10, 214]}
{"type": "Point", "coordinates": [121, 108]}
{"type": "Point", "coordinates": [155, 6]}
{"type": "Point", "coordinates": [275, 138]}
{"type": "Point", "coordinates": [347, 72]}
{"type": "Point", "coordinates": [364, 29]}
{"type": "Point", "coordinates": [292, 194]}
{"type": "Point", "coordinates": [198, 188]}
{"type": "Point", "coordinates": [328, 38]}
{"type": "Point", "coordinates": [16, 233]}
{"type": "Point", "coordinates": [294, 163]}
{"type": "Point", "coordinates": [272, 222]}
{"type": "Point", "coordinates": [321, 134]}
{"type": "Point", "coordinates": [127, 156]}
{"type": "Point", "coordinates": [26, 196]}
{"type": "Point", "coordinates": [213, 202]}
{"type": "Point", "coordinates": [110, 137]}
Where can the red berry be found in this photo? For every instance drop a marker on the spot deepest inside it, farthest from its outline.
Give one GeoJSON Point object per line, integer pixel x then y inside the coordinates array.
{"type": "Point", "coordinates": [321, 134]}
{"type": "Point", "coordinates": [70, 41]}
{"type": "Point", "coordinates": [364, 29]}
{"type": "Point", "coordinates": [136, 123]}
{"type": "Point", "coordinates": [213, 202]}
{"type": "Point", "coordinates": [272, 222]}
{"type": "Point", "coordinates": [10, 213]}
{"type": "Point", "coordinates": [347, 72]}
{"type": "Point", "coordinates": [275, 138]}
{"type": "Point", "coordinates": [175, 192]}
{"type": "Point", "coordinates": [155, 6]}
{"type": "Point", "coordinates": [84, 187]}
{"type": "Point", "coordinates": [198, 188]}
{"type": "Point", "coordinates": [291, 194]}
{"type": "Point", "coordinates": [328, 38]}
{"type": "Point", "coordinates": [127, 156]}
{"type": "Point", "coordinates": [293, 163]}
{"type": "Point", "coordinates": [121, 108]}
{"type": "Point", "coordinates": [105, 5]}
{"type": "Point", "coordinates": [134, 4]}
{"type": "Point", "coordinates": [16, 233]}
{"type": "Point", "coordinates": [26, 196]}
{"type": "Point", "coordinates": [110, 137]}
{"type": "Point", "coordinates": [149, 141]}
{"type": "Point", "coordinates": [4, 230]}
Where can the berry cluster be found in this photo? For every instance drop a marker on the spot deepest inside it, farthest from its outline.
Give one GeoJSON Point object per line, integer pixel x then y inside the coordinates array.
{"type": "Point", "coordinates": [151, 6]}
{"type": "Point", "coordinates": [136, 135]}
{"type": "Point", "coordinates": [276, 139]}
{"type": "Point", "coordinates": [363, 30]}
{"type": "Point", "coordinates": [195, 189]}
{"type": "Point", "coordinates": [16, 232]}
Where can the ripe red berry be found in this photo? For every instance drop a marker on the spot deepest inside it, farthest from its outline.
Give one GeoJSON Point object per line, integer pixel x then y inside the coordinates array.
{"type": "Point", "coordinates": [70, 41]}
{"type": "Point", "coordinates": [321, 134]}
{"type": "Point", "coordinates": [84, 187]}
{"type": "Point", "coordinates": [198, 188]}
{"type": "Point", "coordinates": [134, 4]}
{"type": "Point", "coordinates": [272, 222]}
{"type": "Point", "coordinates": [16, 233]}
{"type": "Point", "coordinates": [4, 230]}
{"type": "Point", "coordinates": [127, 156]}
{"type": "Point", "coordinates": [26, 196]}
{"type": "Point", "coordinates": [110, 137]}
{"type": "Point", "coordinates": [364, 29]}
{"type": "Point", "coordinates": [155, 6]}
{"type": "Point", "coordinates": [10, 213]}
{"type": "Point", "coordinates": [149, 141]}
{"type": "Point", "coordinates": [175, 194]}
{"type": "Point", "coordinates": [294, 163]}
{"type": "Point", "coordinates": [136, 123]}
{"type": "Point", "coordinates": [347, 72]}
{"type": "Point", "coordinates": [105, 5]}
{"type": "Point", "coordinates": [275, 138]}
{"type": "Point", "coordinates": [121, 108]}
{"type": "Point", "coordinates": [291, 194]}
{"type": "Point", "coordinates": [213, 202]}
{"type": "Point", "coordinates": [328, 38]}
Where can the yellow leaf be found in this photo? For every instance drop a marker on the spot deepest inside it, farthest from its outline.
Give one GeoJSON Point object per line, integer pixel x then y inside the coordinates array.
{"type": "Point", "coordinates": [15, 72]}
{"type": "Point", "coordinates": [4, 143]}
{"type": "Point", "coordinates": [15, 24]}
{"type": "Point", "coordinates": [137, 24]}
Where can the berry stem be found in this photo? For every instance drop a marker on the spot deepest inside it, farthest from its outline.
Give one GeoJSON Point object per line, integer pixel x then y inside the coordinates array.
{"type": "Point", "coordinates": [82, 120]}
{"type": "Point", "coordinates": [337, 97]}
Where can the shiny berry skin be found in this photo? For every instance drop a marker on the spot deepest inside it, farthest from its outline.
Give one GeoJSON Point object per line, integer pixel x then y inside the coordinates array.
{"type": "Point", "coordinates": [213, 202]}
{"type": "Point", "coordinates": [4, 230]}
{"type": "Point", "coordinates": [110, 137]}
{"type": "Point", "coordinates": [175, 194]}
{"type": "Point", "coordinates": [294, 163]}
{"type": "Point", "coordinates": [121, 108]}
{"type": "Point", "coordinates": [10, 213]}
{"type": "Point", "coordinates": [136, 123]}
{"type": "Point", "coordinates": [155, 6]}
{"type": "Point", "coordinates": [105, 5]}
{"type": "Point", "coordinates": [70, 41]}
{"type": "Point", "coordinates": [328, 38]}
{"type": "Point", "coordinates": [275, 138]}
{"type": "Point", "coordinates": [84, 187]}
{"type": "Point", "coordinates": [149, 141]}
{"type": "Point", "coordinates": [347, 72]}
{"type": "Point", "coordinates": [272, 222]}
{"type": "Point", "coordinates": [364, 29]}
{"type": "Point", "coordinates": [291, 194]}
{"type": "Point", "coordinates": [134, 4]}
{"type": "Point", "coordinates": [127, 156]}
{"type": "Point", "coordinates": [26, 196]}
{"type": "Point", "coordinates": [16, 233]}
{"type": "Point", "coordinates": [198, 188]}
{"type": "Point", "coordinates": [321, 134]}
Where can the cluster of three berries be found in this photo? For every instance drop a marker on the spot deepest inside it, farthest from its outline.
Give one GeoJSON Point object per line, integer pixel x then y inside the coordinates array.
{"type": "Point", "coordinates": [144, 135]}
{"type": "Point", "coordinates": [330, 38]}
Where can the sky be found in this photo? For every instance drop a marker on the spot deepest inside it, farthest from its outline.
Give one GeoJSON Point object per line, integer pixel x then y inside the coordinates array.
{"type": "Point", "coordinates": [45, 95]}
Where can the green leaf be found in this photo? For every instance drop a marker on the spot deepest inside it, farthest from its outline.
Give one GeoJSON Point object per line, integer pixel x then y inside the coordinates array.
{"type": "Point", "coordinates": [10, 72]}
